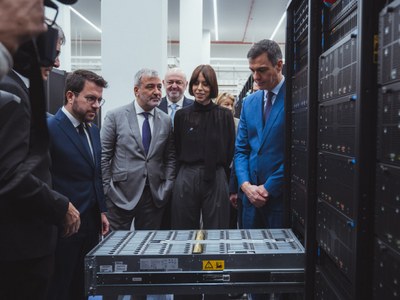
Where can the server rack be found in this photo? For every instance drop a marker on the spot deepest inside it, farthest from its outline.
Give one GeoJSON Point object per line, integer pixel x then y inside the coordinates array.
{"type": "Point", "coordinates": [302, 46]}
{"type": "Point", "coordinates": [387, 205]}
{"type": "Point", "coordinates": [331, 138]}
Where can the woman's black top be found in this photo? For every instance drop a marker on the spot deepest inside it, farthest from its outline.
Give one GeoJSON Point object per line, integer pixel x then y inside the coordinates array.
{"type": "Point", "coordinates": [205, 134]}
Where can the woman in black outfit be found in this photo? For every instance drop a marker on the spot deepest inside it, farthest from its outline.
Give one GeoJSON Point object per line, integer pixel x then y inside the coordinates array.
{"type": "Point", "coordinates": [205, 140]}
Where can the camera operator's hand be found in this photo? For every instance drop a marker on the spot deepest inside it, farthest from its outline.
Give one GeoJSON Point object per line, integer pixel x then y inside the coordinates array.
{"type": "Point", "coordinates": [20, 20]}
{"type": "Point", "coordinates": [72, 221]}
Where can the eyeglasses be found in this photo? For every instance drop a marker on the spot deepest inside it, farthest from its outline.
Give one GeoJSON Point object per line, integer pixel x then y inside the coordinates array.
{"type": "Point", "coordinates": [92, 99]}
{"type": "Point", "coordinates": [51, 14]}
{"type": "Point", "coordinates": [177, 82]}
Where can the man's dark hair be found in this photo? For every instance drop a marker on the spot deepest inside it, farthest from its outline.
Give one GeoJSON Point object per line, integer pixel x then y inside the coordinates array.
{"type": "Point", "coordinates": [76, 81]}
{"type": "Point", "coordinates": [266, 46]}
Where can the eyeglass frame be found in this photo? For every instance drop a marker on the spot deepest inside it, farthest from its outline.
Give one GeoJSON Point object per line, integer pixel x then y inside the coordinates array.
{"type": "Point", "coordinates": [52, 21]}
{"type": "Point", "coordinates": [92, 99]}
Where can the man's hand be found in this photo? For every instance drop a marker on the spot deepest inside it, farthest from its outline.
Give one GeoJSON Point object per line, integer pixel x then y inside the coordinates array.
{"type": "Point", "coordinates": [233, 199]}
{"type": "Point", "coordinates": [20, 20]}
{"type": "Point", "coordinates": [257, 195]}
{"type": "Point", "coordinates": [105, 225]}
{"type": "Point", "coordinates": [72, 221]}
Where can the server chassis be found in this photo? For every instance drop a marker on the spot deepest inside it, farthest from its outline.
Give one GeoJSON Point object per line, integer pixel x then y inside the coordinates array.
{"type": "Point", "coordinates": [196, 262]}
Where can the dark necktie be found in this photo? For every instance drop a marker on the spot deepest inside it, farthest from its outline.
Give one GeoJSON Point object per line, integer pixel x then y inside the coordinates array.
{"type": "Point", "coordinates": [268, 106]}
{"type": "Point", "coordinates": [146, 133]}
{"type": "Point", "coordinates": [84, 139]}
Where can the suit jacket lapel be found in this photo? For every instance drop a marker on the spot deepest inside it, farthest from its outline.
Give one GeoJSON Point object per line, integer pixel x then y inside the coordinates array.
{"type": "Point", "coordinates": [277, 107]}
{"type": "Point", "coordinates": [130, 115]}
{"type": "Point", "coordinates": [258, 117]}
{"type": "Point", "coordinates": [163, 105]}
{"type": "Point", "coordinates": [69, 129]}
{"type": "Point", "coordinates": [156, 131]}
{"type": "Point", "coordinates": [95, 140]}
{"type": "Point", "coordinates": [18, 79]}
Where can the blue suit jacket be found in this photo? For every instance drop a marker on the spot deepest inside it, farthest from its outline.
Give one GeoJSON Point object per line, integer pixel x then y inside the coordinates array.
{"type": "Point", "coordinates": [74, 172]}
{"type": "Point", "coordinates": [259, 155]}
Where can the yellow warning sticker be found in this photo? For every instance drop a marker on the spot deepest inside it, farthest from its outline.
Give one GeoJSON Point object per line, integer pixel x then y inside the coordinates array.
{"type": "Point", "coordinates": [213, 265]}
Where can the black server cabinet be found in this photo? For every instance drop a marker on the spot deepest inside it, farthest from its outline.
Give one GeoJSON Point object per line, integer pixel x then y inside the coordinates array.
{"type": "Point", "coordinates": [386, 277]}
{"type": "Point", "coordinates": [302, 47]}
{"type": "Point", "coordinates": [331, 115]}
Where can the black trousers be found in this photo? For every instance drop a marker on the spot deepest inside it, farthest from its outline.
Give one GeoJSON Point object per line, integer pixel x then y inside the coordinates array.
{"type": "Point", "coordinates": [26, 279]}
{"type": "Point", "coordinates": [193, 197]}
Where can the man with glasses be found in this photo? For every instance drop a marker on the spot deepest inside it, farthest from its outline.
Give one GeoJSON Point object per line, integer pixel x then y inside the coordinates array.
{"type": "Point", "coordinates": [175, 84]}
{"type": "Point", "coordinates": [75, 152]}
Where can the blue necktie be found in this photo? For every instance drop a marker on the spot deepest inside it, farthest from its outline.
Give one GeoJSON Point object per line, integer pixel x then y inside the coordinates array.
{"type": "Point", "coordinates": [268, 106]}
{"type": "Point", "coordinates": [84, 139]}
{"type": "Point", "coordinates": [146, 133]}
{"type": "Point", "coordinates": [173, 107]}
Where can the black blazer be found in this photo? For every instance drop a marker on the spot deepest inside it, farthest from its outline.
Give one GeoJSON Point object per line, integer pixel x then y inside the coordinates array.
{"type": "Point", "coordinates": [30, 208]}
{"type": "Point", "coordinates": [164, 103]}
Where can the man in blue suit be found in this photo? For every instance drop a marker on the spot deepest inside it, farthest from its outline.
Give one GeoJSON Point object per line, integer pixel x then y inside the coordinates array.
{"type": "Point", "coordinates": [259, 152]}
{"type": "Point", "coordinates": [75, 152]}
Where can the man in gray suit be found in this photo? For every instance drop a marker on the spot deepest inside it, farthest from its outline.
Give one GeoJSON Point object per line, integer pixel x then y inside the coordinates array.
{"type": "Point", "coordinates": [138, 158]}
{"type": "Point", "coordinates": [175, 84]}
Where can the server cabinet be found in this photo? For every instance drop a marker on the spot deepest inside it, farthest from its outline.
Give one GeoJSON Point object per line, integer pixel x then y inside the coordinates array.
{"type": "Point", "coordinates": [387, 189]}
{"type": "Point", "coordinates": [303, 26]}
{"type": "Point", "coordinates": [332, 140]}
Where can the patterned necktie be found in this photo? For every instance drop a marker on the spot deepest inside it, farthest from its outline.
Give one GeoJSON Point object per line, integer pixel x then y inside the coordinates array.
{"type": "Point", "coordinates": [173, 107]}
{"type": "Point", "coordinates": [84, 139]}
{"type": "Point", "coordinates": [268, 106]}
{"type": "Point", "coordinates": [146, 133]}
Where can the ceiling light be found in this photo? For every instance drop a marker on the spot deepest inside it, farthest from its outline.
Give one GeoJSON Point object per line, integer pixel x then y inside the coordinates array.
{"type": "Point", "coordinates": [277, 26]}
{"type": "Point", "coordinates": [215, 19]}
{"type": "Point", "coordinates": [84, 19]}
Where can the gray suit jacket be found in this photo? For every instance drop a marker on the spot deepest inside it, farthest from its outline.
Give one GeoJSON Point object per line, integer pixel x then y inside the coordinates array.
{"type": "Point", "coordinates": [124, 163]}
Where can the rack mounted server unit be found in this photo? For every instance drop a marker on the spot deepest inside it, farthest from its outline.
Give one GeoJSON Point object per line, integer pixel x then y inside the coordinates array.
{"type": "Point", "coordinates": [196, 262]}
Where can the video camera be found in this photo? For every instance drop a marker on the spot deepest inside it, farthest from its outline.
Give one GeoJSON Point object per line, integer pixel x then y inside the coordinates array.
{"type": "Point", "coordinates": [43, 47]}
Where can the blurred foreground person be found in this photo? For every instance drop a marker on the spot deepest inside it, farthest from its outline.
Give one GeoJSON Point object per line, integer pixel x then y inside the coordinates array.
{"type": "Point", "coordinates": [31, 210]}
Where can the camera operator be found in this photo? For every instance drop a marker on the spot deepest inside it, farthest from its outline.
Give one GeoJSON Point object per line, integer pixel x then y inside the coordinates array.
{"type": "Point", "coordinates": [31, 209]}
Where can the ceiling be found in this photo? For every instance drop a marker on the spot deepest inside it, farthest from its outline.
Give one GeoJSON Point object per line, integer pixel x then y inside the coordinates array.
{"type": "Point", "coordinates": [240, 24]}
{"type": "Point", "coordinates": [239, 21]}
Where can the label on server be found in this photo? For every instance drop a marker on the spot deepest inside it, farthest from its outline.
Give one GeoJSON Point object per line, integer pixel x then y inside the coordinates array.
{"type": "Point", "coordinates": [213, 265]}
{"type": "Point", "coordinates": [158, 264]}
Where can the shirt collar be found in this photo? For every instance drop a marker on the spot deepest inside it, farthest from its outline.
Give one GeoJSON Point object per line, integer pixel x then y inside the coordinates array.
{"type": "Point", "coordinates": [140, 110]}
{"type": "Point", "coordinates": [23, 78]}
{"type": "Point", "coordinates": [276, 89]}
{"type": "Point", "coordinates": [73, 120]}
{"type": "Point", "coordinates": [179, 103]}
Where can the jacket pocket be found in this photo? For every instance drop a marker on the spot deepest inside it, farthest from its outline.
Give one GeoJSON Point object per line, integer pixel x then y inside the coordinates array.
{"type": "Point", "coordinates": [120, 176]}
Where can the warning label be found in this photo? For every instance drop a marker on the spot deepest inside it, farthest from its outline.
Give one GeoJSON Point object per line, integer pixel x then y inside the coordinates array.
{"type": "Point", "coordinates": [213, 265]}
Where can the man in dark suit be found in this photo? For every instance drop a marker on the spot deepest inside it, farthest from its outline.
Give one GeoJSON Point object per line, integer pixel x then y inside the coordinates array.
{"type": "Point", "coordinates": [75, 152]}
{"type": "Point", "coordinates": [138, 158]}
{"type": "Point", "coordinates": [175, 84]}
{"type": "Point", "coordinates": [31, 210]}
